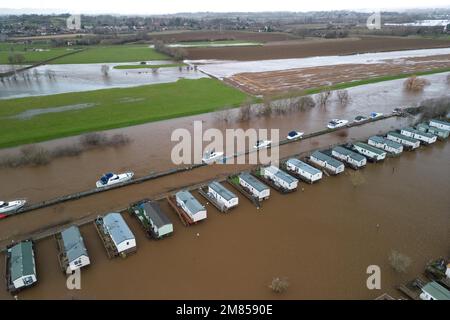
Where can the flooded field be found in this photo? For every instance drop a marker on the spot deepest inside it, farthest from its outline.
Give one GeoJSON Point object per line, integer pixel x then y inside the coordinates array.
{"type": "Point", "coordinates": [53, 79]}
{"type": "Point", "coordinates": [227, 69]}
{"type": "Point", "coordinates": [322, 238]}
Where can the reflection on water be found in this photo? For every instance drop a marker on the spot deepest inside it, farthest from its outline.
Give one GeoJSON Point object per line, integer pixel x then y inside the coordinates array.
{"type": "Point", "coordinates": [53, 79]}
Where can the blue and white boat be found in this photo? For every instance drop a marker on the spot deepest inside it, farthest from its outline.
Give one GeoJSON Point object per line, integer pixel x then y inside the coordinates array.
{"type": "Point", "coordinates": [110, 179]}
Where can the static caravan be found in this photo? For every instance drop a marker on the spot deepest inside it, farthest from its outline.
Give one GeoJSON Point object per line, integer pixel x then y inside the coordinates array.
{"type": "Point", "coordinates": [421, 136]}
{"type": "Point", "coordinates": [327, 162]}
{"type": "Point", "coordinates": [370, 151]}
{"type": "Point", "coordinates": [21, 266]}
{"type": "Point", "coordinates": [154, 221]}
{"type": "Point", "coordinates": [256, 187]}
{"type": "Point", "coordinates": [434, 291]}
{"type": "Point", "coordinates": [440, 133]}
{"type": "Point", "coordinates": [352, 158]}
{"type": "Point", "coordinates": [309, 173]}
{"type": "Point", "coordinates": [190, 205]}
{"type": "Point", "coordinates": [441, 124]}
{"type": "Point", "coordinates": [73, 252]}
{"type": "Point", "coordinates": [115, 228]}
{"type": "Point", "coordinates": [404, 140]}
{"type": "Point", "coordinates": [385, 144]}
{"type": "Point", "coordinates": [280, 177]}
{"type": "Point", "coordinates": [222, 195]}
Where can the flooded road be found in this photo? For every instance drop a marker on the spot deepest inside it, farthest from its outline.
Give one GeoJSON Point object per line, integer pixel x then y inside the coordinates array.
{"type": "Point", "coordinates": [322, 239]}
{"type": "Point", "coordinates": [53, 79]}
{"type": "Point", "coordinates": [150, 149]}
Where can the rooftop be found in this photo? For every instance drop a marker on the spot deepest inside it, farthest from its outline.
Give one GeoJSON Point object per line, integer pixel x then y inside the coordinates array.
{"type": "Point", "coordinates": [220, 189]}
{"type": "Point", "coordinates": [355, 156]}
{"type": "Point", "coordinates": [73, 243]}
{"type": "Point", "coordinates": [412, 130]}
{"type": "Point", "coordinates": [255, 183]}
{"type": "Point", "coordinates": [281, 174]}
{"type": "Point", "coordinates": [21, 260]}
{"type": "Point", "coordinates": [303, 166]}
{"type": "Point", "coordinates": [153, 212]}
{"type": "Point", "coordinates": [370, 148]}
{"type": "Point", "coordinates": [387, 142]}
{"type": "Point", "coordinates": [401, 136]}
{"type": "Point", "coordinates": [323, 157]}
{"type": "Point", "coordinates": [116, 226]}
{"type": "Point", "coordinates": [191, 203]}
{"type": "Point", "coordinates": [437, 291]}
{"type": "Point", "coordinates": [441, 122]}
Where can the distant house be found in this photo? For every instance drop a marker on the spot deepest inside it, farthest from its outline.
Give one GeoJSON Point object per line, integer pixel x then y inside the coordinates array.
{"type": "Point", "coordinates": [304, 170]}
{"type": "Point", "coordinates": [118, 231]}
{"type": "Point", "coordinates": [325, 161]}
{"type": "Point", "coordinates": [370, 151]}
{"type": "Point", "coordinates": [153, 219]}
{"type": "Point", "coordinates": [404, 140]}
{"type": "Point", "coordinates": [223, 195]}
{"type": "Point", "coordinates": [441, 124]}
{"type": "Point", "coordinates": [434, 291]}
{"type": "Point", "coordinates": [73, 249]}
{"type": "Point", "coordinates": [385, 144]}
{"type": "Point", "coordinates": [419, 135]}
{"type": "Point", "coordinates": [21, 271]}
{"type": "Point", "coordinates": [191, 206]}
{"type": "Point", "coordinates": [352, 158]}
{"type": "Point", "coordinates": [280, 177]}
{"type": "Point", "coordinates": [256, 187]}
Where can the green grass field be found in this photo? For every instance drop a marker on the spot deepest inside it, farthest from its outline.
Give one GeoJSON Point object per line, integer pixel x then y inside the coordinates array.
{"type": "Point", "coordinates": [111, 54]}
{"type": "Point", "coordinates": [148, 66]}
{"type": "Point", "coordinates": [113, 108]}
{"type": "Point", "coordinates": [218, 42]}
{"type": "Point", "coordinates": [30, 56]}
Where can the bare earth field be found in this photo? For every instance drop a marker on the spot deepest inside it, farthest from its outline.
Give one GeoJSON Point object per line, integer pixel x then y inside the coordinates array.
{"type": "Point", "coordinates": [261, 83]}
{"type": "Point", "coordinates": [277, 49]}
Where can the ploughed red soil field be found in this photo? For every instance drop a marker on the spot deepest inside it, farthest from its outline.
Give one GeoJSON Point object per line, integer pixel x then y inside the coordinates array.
{"type": "Point", "coordinates": [311, 48]}
{"type": "Point", "coordinates": [322, 238]}
{"type": "Point", "coordinates": [261, 83]}
{"type": "Point", "coordinates": [222, 35]}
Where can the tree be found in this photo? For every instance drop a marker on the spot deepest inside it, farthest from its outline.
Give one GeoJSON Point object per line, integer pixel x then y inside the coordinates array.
{"type": "Point", "coordinates": [323, 98]}
{"type": "Point", "coordinates": [415, 84]}
{"type": "Point", "coordinates": [448, 79]}
{"type": "Point", "coordinates": [279, 285]}
{"type": "Point", "coordinates": [105, 70]}
{"type": "Point", "coordinates": [399, 261]}
{"type": "Point", "coordinates": [245, 111]}
{"type": "Point", "coordinates": [343, 97]}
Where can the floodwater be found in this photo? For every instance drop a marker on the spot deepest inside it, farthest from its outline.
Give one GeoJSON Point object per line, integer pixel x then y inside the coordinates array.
{"type": "Point", "coordinates": [63, 78]}
{"type": "Point", "coordinates": [226, 69]}
{"type": "Point", "coordinates": [322, 238]}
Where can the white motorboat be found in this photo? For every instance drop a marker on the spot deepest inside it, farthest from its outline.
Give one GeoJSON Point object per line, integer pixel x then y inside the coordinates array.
{"type": "Point", "coordinates": [336, 123]}
{"type": "Point", "coordinates": [212, 156]}
{"type": "Point", "coordinates": [294, 135]}
{"type": "Point", "coordinates": [261, 144]}
{"type": "Point", "coordinates": [360, 119]}
{"type": "Point", "coordinates": [110, 179]}
{"type": "Point", "coordinates": [374, 115]}
{"type": "Point", "coordinates": [8, 207]}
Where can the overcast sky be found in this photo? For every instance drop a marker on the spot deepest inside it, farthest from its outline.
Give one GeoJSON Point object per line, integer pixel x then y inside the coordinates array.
{"type": "Point", "coordinates": [145, 7]}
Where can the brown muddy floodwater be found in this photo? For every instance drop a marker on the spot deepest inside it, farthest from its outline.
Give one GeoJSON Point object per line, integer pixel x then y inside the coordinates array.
{"type": "Point", "coordinates": [322, 238]}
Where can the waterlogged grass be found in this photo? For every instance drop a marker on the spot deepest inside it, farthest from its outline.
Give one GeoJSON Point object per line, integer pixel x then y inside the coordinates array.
{"type": "Point", "coordinates": [113, 108]}
{"type": "Point", "coordinates": [30, 53]}
{"type": "Point", "coordinates": [111, 54]}
{"type": "Point", "coordinates": [148, 66]}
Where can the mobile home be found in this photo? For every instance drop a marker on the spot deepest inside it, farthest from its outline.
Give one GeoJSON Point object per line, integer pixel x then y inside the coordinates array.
{"type": "Point", "coordinates": [154, 221]}
{"type": "Point", "coordinates": [385, 144]}
{"type": "Point", "coordinates": [115, 232]}
{"type": "Point", "coordinates": [434, 291]}
{"type": "Point", "coordinates": [73, 252]}
{"type": "Point", "coordinates": [194, 209]}
{"type": "Point", "coordinates": [352, 158]}
{"type": "Point", "coordinates": [256, 187]}
{"type": "Point", "coordinates": [441, 124]}
{"type": "Point", "coordinates": [404, 140]}
{"type": "Point", "coordinates": [421, 136]}
{"type": "Point", "coordinates": [222, 195]}
{"type": "Point", "coordinates": [21, 266]}
{"type": "Point", "coordinates": [440, 133]}
{"type": "Point", "coordinates": [370, 151]}
{"type": "Point", "coordinates": [327, 162]}
{"type": "Point", "coordinates": [309, 173]}
{"type": "Point", "coordinates": [280, 178]}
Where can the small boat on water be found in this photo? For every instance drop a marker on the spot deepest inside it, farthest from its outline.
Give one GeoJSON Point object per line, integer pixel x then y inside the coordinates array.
{"type": "Point", "coordinates": [8, 207]}
{"type": "Point", "coordinates": [294, 135]}
{"type": "Point", "coordinates": [336, 123]}
{"type": "Point", "coordinates": [261, 144]}
{"type": "Point", "coordinates": [212, 156]}
{"type": "Point", "coordinates": [110, 179]}
{"type": "Point", "coordinates": [375, 115]}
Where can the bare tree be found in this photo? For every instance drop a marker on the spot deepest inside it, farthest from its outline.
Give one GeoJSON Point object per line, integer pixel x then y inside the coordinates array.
{"type": "Point", "coordinates": [155, 70]}
{"type": "Point", "coordinates": [279, 285]}
{"type": "Point", "coordinates": [399, 261]}
{"type": "Point", "coordinates": [245, 111]}
{"type": "Point", "coordinates": [266, 108]}
{"type": "Point", "coordinates": [343, 97]}
{"type": "Point", "coordinates": [224, 114]}
{"type": "Point", "coordinates": [448, 79]}
{"type": "Point", "coordinates": [323, 98]}
{"type": "Point", "coordinates": [105, 70]}
{"type": "Point", "coordinates": [306, 103]}
{"type": "Point", "coordinates": [415, 84]}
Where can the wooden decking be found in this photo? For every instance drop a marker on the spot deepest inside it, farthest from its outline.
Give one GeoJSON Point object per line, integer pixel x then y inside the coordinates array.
{"type": "Point", "coordinates": [110, 248]}
{"type": "Point", "coordinates": [244, 192]}
{"type": "Point", "coordinates": [184, 217]}
{"type": "Point", "coordinates": [219, 206]}
{"type": "Point", "coordinates": [62, 258]}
